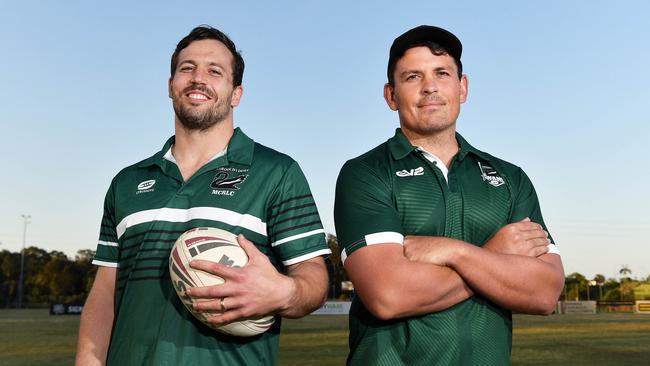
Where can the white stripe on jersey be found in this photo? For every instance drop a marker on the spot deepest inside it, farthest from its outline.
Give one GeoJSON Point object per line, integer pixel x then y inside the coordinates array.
{"type": "Point", "coordinates": [229, 217]}
{"type": "Point", "coordinates": [303, 258]}
{"type": "Point", "coordinates": [298, 236]}
{"type": "Point", "coordinates": [383, 237]}
{"type": "Point", "coordinates": [107, 243]}
{"type": "Point", "coordinates": [105, 264]}
{"type": "Point", "coordinates": [552, 248]}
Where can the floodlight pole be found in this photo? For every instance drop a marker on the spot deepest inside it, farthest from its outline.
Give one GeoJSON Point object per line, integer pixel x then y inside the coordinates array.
{"type": "Point", "coordinates": [22, 260]}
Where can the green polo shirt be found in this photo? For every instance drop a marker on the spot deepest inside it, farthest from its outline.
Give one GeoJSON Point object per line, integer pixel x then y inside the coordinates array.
{"type": "Point", "coordinates": [393, 191]}
{"type": "Point", "coordinates": [252, 190]}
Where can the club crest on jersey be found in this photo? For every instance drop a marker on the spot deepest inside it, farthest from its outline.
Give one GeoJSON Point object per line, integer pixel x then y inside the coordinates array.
{"type": "Point", "coordinates": [145, 186]}
{"type": "Point", "coordinates": [490, 175]}
{"type": "Point", "coordinates": [410, 173]}
{"type": "Point", "coordinates": [227, 181]}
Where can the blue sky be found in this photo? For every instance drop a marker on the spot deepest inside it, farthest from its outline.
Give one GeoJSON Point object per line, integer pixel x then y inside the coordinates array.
{"type": "Point", "coordinates": [556, 87]}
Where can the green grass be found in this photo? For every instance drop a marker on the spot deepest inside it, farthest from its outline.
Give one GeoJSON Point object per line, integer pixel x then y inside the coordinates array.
{"type": "Point", "coordinates": [32, 337]}
{"type": "Point", "coordinates": [602, 339]}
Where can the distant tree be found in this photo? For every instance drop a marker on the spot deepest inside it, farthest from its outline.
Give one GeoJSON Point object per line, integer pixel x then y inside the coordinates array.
{"type": "Point", "coordinates": [35, 290]}
{"type": "Point", "coordinates": [84, 256]}
{"type": "Point", "coordinates": [335, 267]}
{"type": "Point", "coordinates": [10, 264]}
{"type": "Point", "coordinates": [83, 262]}
{"type": "Point", "coordinates": [62, 278]}
{"type": "Point", "coordinates": [600, 281]}
{"type": "Point", "coordinates": [573, 284]}
{"type": "Point", "coordinates": [10, 268]}
{"type": "Point", "coordinates": [627, 290]}
{"type": "Point", "coordinates": [613, 294]}
{"type": "Point", "coordinates": [625, 272]}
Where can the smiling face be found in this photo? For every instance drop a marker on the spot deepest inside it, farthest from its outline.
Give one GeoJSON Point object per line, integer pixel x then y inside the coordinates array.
{"type": "Point", "coordinates": [202, 89]}
{"type": "Point", "coordinates": [427, 92]}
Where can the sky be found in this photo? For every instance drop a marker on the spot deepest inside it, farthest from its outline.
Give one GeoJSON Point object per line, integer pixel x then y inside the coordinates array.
{"type": "Point", "coordinates": [559, 88]}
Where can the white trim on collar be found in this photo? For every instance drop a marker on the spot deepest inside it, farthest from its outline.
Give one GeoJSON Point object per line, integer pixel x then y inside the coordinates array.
{"type": "Point", "coordinates": [436, 160]}
{"type": "Point", "coordinates": [170, 157]}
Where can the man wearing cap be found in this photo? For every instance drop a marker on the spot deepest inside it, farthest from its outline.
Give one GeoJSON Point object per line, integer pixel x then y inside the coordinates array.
{"type": "Point", "coordinates": [441, 240]}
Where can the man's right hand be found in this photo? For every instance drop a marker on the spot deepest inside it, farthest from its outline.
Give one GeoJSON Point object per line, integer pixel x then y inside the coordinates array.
{"type": "Point", "coordinates": [524, 237]}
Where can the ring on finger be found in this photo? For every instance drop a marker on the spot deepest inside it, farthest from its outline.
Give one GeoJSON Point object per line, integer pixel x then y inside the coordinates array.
{"type": "Point", "coordinates": [223, 306]}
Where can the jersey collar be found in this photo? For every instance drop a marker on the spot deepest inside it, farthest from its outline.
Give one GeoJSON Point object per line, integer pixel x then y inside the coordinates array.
{"type": "Point", "coordinates": [400, 147]}
{"type": "Point", "coordinates": [466, 148]}
{"type": "Point", "coordinates": [240, 150]}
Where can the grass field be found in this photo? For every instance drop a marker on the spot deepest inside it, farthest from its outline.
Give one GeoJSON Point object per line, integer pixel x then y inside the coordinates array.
{"type": "Point", "coordinates": [32, 337]}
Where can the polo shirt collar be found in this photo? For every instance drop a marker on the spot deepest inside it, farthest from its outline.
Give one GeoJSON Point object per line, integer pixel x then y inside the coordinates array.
{"type": "Point", "coordinates": [466, 148]}
{"type": "Point", "coordinates": [400, 147]}
{"type": "Point", "coordinates": [240, 150]}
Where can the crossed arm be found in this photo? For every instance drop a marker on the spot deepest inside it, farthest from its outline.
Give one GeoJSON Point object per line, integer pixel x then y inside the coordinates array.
{"type": "Point", "coordinates": [513, 269]}
{"type": "Point", "coordinates": [433, 273]}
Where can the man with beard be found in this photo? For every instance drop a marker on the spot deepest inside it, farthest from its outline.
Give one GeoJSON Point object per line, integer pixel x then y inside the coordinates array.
{"type": "Point", "coordinates": [441, 240]}
{"type": "Point", "coordinates": [208, 174]}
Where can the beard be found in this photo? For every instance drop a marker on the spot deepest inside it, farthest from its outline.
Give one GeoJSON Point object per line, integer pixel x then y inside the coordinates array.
{"type": "Point", "coordinates": [201, 119]}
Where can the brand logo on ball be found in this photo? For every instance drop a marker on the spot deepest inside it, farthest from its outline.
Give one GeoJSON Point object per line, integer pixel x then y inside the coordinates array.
{"type": "Point", "coordinates": [490, 175]}
{"type": "Point", "coordinates": [146, 186]}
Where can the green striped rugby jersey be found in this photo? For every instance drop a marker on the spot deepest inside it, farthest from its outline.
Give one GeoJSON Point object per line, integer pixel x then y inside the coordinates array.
{"type": "Point", "coordinates": [252, 190]}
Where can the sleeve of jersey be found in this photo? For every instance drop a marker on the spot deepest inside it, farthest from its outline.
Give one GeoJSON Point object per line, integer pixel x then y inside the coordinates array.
{"type": "Point", "coordinates": [107, 246]}
{"type": "Point", "coordinates": [364, 213]}
{"type": "Point", "coordinates": [527, 205]}
{"type": "Point", "coordinates": [294, 227]}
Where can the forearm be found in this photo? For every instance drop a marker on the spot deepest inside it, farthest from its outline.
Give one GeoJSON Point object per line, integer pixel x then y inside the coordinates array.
{"type": "Point", "coordinates": [420, 288]}
{"type": "Point", "coordinates": [96, 321]}
{"type": "Point", "coordinates": [94, 337]}
{"type": "Point", "coordinates": [308, 282]}
{"type": "Point", "coordinates": [519, 283]}
{"type": "Point", "coordinates": [391, 286]}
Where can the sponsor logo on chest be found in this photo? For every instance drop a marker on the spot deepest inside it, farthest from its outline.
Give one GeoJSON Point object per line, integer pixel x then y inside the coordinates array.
{"type": "Point", "coordinates": [410, 172]}
{"type": "Point", "coordinates": [490, 175]}
{"type": "Point", "coordinates": [145, 186]}
{"type": "Point", "coordinates": [227, 181]}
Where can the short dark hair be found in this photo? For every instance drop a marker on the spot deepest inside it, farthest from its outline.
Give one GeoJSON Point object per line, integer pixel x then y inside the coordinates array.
{"type": "Point", "coordinates": [207, 32]}
{"type": "Point", "coordinates": [434, 47]}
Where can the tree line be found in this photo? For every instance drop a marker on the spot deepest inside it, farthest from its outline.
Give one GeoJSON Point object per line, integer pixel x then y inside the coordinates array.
{"type": "Point", "coordinates": [53, 277]}
{"type": "Point", "coordinates": [47, 276]}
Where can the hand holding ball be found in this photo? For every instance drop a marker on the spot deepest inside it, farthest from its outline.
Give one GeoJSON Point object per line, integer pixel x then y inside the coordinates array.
{"type": "Point", "coordinates": [214, 245]}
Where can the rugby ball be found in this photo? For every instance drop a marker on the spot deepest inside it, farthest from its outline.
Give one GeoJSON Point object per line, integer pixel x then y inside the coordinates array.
{"type": "Point", "coordinates": [214, 245]}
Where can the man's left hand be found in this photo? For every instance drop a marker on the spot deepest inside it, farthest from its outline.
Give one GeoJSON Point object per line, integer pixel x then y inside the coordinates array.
{"type": "Point", "coordinates": [429, 249]}
{"type": "Point", "coordinates": [253, 291]}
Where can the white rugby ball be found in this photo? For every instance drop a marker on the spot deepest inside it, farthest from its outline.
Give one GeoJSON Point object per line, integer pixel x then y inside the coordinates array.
{"type": "Point", "coordinates": [214, 245]}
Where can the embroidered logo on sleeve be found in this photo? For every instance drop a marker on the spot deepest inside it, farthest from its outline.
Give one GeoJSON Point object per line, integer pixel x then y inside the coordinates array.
{"type": "Point", "coordinates": [490, 175]}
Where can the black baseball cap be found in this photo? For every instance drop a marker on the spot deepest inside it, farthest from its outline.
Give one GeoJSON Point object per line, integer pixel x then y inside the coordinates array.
{"type": "Point", "coordinates": [424, 33]}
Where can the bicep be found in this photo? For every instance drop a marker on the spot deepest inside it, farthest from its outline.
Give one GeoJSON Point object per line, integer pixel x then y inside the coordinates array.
{"type": "Point", "coordinates": [372, 269]}
{"type": "Point", "coordinates": [315, 265]}
{"type": "Point", "coordinates": [104, 284]}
